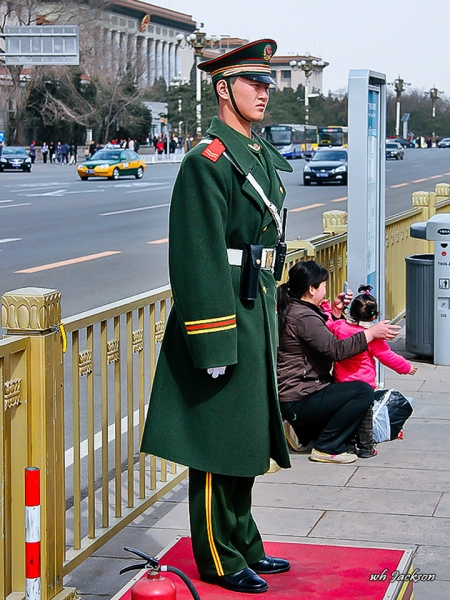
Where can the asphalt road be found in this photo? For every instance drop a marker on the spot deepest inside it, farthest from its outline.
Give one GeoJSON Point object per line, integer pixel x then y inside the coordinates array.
{"type": "Point", "coordinates": [100, 241]}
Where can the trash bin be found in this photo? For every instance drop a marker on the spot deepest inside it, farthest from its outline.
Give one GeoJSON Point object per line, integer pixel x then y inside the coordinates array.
{"type": "Point", "coordinates": [419, 333]}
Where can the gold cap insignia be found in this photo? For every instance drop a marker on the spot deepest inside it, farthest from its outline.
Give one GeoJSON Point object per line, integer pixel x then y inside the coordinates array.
{"type": "Point", "coordinates": [267, 54]}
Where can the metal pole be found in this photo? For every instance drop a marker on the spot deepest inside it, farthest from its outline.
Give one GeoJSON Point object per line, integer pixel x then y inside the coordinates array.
{"type": "Point", "coordinates": [397, 118]}
{"type": "Point", "coordinates": [198, 108]}
{"type": "Point", "coordinates": [307, 99]}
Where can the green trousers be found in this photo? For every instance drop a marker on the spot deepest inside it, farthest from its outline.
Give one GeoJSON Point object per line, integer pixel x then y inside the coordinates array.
{"type": "Point", "coordinates": [225, 538]}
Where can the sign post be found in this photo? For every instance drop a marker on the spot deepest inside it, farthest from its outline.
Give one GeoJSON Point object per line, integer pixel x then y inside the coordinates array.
{"type": "Point", "coordinates": [366, 182]}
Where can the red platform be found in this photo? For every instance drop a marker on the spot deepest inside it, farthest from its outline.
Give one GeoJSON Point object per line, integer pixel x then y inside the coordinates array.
{"type": "Point", "coordinates": [317, 572]}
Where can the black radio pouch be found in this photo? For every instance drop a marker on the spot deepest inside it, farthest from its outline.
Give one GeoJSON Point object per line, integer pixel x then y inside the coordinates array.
{"type": "Point", "coordinates": [250, 267]}
{"type": "Point", "coordinates": [280, 257]}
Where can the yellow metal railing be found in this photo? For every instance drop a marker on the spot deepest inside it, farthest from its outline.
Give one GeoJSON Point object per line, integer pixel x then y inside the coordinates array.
{"type": "Point", "coordinates": [111, 360]}
{"type": "Point", "coordinates": [79, 416]}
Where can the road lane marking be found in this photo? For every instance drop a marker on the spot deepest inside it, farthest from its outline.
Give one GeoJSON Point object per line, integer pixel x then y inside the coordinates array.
{"type": "Point", "coordinates": [420, 180]}
{"type": "Point", "coordinates": [6, 240]}
{"type": "Point", "coordinates": [60, 193]}
{"type": "Point", "coordinates": [14, 205]}
{"type": "Point", "coordinates": [130, 210]}
{"type": "Point", "coordinates": [436, 176]}
{"type": "Point", "coordinates": [71, 261]}
{"type": "Point", "coordinates": [340, 199]}
{"type": "Point", "coordinates": [161, 241]}
{"type": "Point", "coordinates": [4, 201]}
{"type": "Point", "coordinates": [54, 193]}
{"type": "Point", "coordinates": [166, 187]}
{"type": "Point", "coordinates": [398, 185]}
{"type": "Point", "coordinates": [305, 207]}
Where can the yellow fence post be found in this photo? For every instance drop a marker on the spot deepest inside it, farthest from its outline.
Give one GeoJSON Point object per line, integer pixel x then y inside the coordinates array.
{"type": "Point", "coordinates": [36, 312]}
{"type": "Point", "coordinates": [427, 202]}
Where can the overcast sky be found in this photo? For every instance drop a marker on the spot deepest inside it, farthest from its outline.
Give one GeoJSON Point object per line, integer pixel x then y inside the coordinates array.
{"type": "Point", "coordinates": [409, 38]}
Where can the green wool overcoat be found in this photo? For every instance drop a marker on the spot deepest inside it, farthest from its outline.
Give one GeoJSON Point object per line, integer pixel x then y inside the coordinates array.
{"type": "Point", "coordinates": [229, 425]}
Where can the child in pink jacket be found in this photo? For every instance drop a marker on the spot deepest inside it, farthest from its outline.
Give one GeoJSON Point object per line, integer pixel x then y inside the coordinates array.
{"type": "Point", "coordinates": [362, 367]}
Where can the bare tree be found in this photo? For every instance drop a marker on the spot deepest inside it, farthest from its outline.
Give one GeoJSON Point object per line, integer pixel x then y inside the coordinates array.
{"type": "Point", "coordinates": [112, 73]}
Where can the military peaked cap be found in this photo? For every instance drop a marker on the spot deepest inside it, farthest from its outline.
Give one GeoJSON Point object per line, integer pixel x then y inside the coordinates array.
{"type": "Point", "coordinates": [251, 61]}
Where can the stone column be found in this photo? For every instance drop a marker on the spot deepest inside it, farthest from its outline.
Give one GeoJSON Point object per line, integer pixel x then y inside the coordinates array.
{"type": "Point", "coordinates": [132, 54]}
{"type": "Point", "coordinates": [151, 56]}
{"type": "Point", "coordinates": [107, 49]}
{"type": "Point", "coordinates": [141, 62]}
{"type": "Point", "coordinates": [172, 62]}
{"type": "Point", "coordinates": [158, 56]}
{"type": "Point", "coordinates": [114, 51]}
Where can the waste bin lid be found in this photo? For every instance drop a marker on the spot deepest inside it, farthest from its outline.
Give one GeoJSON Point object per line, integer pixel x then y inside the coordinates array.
{"type": "Point", "coordinates": [420, 258]}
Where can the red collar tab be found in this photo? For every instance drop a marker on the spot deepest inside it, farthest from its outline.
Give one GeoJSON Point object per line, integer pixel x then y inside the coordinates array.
{"type": "Point", "coordinates": [214, 150]}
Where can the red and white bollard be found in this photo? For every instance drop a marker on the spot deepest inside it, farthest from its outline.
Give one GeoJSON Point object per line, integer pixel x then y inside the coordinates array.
{"type": "Point", "coordinates": [32, 533]}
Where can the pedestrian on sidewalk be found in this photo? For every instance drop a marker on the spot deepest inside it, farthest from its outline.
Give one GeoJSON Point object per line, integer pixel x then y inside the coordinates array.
{"type": "Point", "coordinates": [214, 404]}
{"type": "Point", "coordinates": [73, 150]}
{"type": "Point", "coordinates": [33, 152]}
{"type": "Point", "coordinates": [44, 151]}
{"type": "Point", "coordinates": [318, 409]}
{"type": "Point", "coordinates": [363, 312]}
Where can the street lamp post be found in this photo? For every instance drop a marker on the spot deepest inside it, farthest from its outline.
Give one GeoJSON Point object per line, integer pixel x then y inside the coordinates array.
{"type": "Point", "coordinates": [399, 85]}
{"type": "Point", "coordinates": [198, 40]}
{"type": "Point", "coordinates": [307, 65]}
{"type": "Point", "coordinates": [434, 95]}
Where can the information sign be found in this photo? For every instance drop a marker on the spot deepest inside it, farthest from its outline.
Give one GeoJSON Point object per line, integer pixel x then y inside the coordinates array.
{"type": "Point", "coordinates": [42, 45]}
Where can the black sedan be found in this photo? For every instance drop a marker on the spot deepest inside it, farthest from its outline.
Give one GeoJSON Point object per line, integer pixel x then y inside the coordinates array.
{"type": "Point", "coordinates": [15, 158]}
{"type": "Point", "coordinates": [326, 165]}
{"type": "Point", "coordinates": [404, 143]}
{"type": "Point", "coordinates": [394, 150]}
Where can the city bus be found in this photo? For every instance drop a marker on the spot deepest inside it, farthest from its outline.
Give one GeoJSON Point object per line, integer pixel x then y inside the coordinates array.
{"type": "Point", "coordinates": [333, 135]}
{"type": "Point", "coordinates": [292, 141]}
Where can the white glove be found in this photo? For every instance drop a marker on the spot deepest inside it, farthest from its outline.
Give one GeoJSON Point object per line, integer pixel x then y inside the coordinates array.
{"type": "Point", "coordinates": [216, 371]}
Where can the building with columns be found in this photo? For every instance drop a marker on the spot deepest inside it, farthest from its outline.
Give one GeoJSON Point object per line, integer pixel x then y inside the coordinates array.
{"type": "Point", "coordinates": [127, 34]}
{"type": "Point", "coordinates": [146, 34]}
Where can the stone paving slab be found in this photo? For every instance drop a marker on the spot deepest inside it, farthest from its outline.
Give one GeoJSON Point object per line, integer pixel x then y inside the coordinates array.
{"type": "Point", "coordinates": [353, 499]}
{"type": "Point", "coordinates": [384, 528]}
{"type": "Point", "coordinates": [435, 559]}
{"type": "Point", "coordinates": [401, 479]}
{"type": "Point", "coordinates": [443, 509]}
{"type": "Point", "coordinates": [286, 521]}
{"type": "Point", "coordinates": [305, 471]}
{"type": "Point", "coordinates": [398, 454]}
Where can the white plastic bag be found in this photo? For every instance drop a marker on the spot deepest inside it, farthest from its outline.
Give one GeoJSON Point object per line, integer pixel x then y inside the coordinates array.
{"type": "Point", "coordinates": [381, 421]}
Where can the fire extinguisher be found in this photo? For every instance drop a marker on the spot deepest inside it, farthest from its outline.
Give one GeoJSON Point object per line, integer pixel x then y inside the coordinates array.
{"type": "Point", "coordinates": [153, 585]}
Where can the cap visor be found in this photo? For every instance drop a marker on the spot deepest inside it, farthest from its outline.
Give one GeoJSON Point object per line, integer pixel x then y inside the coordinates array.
{"type": "Point", "coordinates": [261, 78]}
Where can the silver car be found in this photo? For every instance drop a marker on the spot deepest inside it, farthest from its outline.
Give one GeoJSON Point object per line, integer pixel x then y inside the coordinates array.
{"type": "Point", "coordinates": [394, 150]}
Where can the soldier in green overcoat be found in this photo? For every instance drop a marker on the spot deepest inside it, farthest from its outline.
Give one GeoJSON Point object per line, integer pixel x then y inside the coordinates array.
{"type": "Point", "coordinates": [213, 405]}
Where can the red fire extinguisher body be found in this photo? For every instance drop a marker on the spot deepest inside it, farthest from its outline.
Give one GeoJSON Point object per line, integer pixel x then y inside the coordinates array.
{"type": "Point", "coordinates": [154, 586]}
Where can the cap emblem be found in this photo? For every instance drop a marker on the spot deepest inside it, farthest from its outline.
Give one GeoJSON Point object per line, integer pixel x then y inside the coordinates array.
{"type": "Point", "coordinates": [267, 54]}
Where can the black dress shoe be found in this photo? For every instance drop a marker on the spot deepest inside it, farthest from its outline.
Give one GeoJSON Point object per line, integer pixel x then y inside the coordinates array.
{"type": "Point", "coordinates": [243, 581]}
{"type": "Point", "coordinates": [268, 565]}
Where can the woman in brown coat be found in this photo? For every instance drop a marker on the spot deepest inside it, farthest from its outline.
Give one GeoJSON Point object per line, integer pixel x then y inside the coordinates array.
{"type": "Point", "coordinates": [316, 407]}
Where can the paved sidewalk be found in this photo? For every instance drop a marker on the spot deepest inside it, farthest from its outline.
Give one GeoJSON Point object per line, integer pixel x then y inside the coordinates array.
{"type": "Point", "coordinates": [398, 499]}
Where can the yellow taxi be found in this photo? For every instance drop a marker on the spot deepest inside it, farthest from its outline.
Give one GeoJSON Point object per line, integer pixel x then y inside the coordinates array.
{"type": "Point", "coordinates": [112, 164]}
